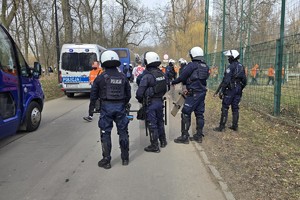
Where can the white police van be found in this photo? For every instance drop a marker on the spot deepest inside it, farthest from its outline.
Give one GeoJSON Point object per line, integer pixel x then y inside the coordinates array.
{"type": "Point", "coordinates": [75, 65]}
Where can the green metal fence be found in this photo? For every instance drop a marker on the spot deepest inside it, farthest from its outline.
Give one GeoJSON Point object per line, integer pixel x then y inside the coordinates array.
{"type": "Point", "coordinates": [272, 39]}
{"type": "Point", "coordinates": [260, 94]}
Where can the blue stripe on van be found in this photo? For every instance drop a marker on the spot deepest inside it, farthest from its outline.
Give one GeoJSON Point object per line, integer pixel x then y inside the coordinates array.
{"type": "Point", "coordinates": [75, 79]}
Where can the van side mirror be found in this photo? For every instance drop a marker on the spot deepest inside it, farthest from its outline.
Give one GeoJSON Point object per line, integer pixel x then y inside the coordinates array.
{"type": "Point", "coordinates": [37, 69]}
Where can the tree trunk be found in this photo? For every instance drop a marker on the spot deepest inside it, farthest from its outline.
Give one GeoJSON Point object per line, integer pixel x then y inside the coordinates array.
{"type": "Point", "coordinates": [66, 10]}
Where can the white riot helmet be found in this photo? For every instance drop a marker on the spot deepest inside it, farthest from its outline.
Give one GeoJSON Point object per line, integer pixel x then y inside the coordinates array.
{"type": "Point", "coordinates": [196, 53]}
{"type": "Point", "coordinates": [232, 53]}
{"type": "Point", "coordinates": [171, 61]}
{"type": "Point", "coordinates": [109, 58]}
{"type": "Point", "coordinates": [151, 59]}
{"type": "Point", "coordinates": [182, 61]}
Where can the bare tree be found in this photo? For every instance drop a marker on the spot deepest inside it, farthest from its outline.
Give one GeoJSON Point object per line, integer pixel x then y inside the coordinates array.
{"type": "Point", "coordinates": [68, 24]}
{"type": "Point", "coordinates": [127, 28]}
{"type": "Point", "coordinates": [8, 11]}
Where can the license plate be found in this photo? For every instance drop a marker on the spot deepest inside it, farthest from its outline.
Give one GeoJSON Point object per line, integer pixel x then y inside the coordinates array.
{"type": "Point", "coordinates": [72, 85]}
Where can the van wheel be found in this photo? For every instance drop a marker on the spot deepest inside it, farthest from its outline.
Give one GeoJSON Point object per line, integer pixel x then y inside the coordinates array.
{"type": "Point", "coordinates": [70, 95]}
{"type": "Point", "coordinates": [33, 116]}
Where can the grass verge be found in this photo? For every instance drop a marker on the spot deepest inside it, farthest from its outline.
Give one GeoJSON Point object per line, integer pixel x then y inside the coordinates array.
{"type": "Point", "coordinates": [51, 87]}
{"type": "Point", "coordinates": [261, 160]}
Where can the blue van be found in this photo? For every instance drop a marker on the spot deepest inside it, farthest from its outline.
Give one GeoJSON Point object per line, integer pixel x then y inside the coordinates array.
{"type": "Point", "coordinates": [21, 94]}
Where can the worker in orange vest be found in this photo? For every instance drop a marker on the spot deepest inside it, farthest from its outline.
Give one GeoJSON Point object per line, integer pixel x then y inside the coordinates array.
{"type": "Point", "coordinates": [254, 74]}
{"type": "Point", "coordinates": [96, 71]}
{"type": "Point", "coordinates": [271, 75]}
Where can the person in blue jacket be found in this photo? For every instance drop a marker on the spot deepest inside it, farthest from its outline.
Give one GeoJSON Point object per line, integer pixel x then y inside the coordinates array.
{"type": "Point", "coordinates": [152, 88]}
{"type": "Point", "coordinates": [194, 76]}
{"type": "Point", "coordinates": [230, 90]}
{"type": "Point", "coordinates": [114, 91]}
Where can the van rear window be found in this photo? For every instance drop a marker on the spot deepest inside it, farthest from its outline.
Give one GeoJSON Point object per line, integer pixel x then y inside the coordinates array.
{"type": "Point", "coordinates": [78, 61]}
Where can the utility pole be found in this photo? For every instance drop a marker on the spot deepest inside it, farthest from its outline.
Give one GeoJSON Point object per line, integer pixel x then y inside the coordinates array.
{"type": "Point", "coordinates": [57, 40]}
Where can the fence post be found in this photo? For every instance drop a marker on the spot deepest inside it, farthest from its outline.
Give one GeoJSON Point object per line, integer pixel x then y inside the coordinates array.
{"type": "Point", "coordinates": [206, 29]}
{"type": "Point", "coordinates": [279, 58]}
{"type": "Point", "coordinates": [278, 79]}
{"type": "Point", "coordinates": [241, 31]}
{"type": "Point", "coordinates": [222, 66]}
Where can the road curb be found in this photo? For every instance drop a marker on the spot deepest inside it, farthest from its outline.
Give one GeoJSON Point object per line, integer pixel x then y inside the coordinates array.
{"type": "Point", "coordinates": [223, 185]}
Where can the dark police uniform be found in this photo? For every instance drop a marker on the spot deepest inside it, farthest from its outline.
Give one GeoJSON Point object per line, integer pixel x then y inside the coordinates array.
{"type": "Point", "coordinates": [233, 83]}
{"type": "Point", "coordinates": [170, 72]}
{"type": "Point", "coordinates": [194, 76]}
{"type": "Point", "coordinates": [152, 88]}
{"type": "Point", "coordinates": [113, 88]}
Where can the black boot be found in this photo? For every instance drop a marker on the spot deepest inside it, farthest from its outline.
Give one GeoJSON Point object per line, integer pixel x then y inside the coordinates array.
{"type": "Point", "coordinates": [199, 126]}
{"type": "Point", "coordinates": [106, 149]}
{"type": "Point", "coordinates": [153, 147]}
{"type": "Point", "coordinates": [104, 163]}
{"type": "Point", "coordinates": [163, 143]}
{"type": "Point", "coordinates": [124, 145]}
{"type": "Point", "coordinates": [183, 139]}
{"type": "Point", "coordinates": [235, 120]}
{"type": "Point", "coordinates": [162, 139]}
{"type": "Point", "coordinates": [185, 126]}
{"type": "Point", "coordinates": [197, 137]}
{"type": "Point", "coordinates": [223, 120]}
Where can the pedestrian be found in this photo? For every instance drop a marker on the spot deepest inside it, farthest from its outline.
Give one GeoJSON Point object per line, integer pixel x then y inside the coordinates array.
{"type": "Point", "coordinates": [282, 76]}
{"type": "Point", "coordinates": [96, 71]}
{"type": "Point", "coordinates": [271, 75]}
{"type": "Point", "coordinates": [113, 89]}
{"type": "Point", "coordinates": [194, 76]}
{"type": "Point", "coordinates": [230, 90]}
{"type": "Point", "coordinates": [254, 74]}
{"type": "Point", "coordinates": [150, 92]}
{"type": "Point", "coordinates": [138, 70]}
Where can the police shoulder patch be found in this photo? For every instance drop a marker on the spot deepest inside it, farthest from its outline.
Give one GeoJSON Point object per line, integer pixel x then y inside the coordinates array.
{"type": "Point", "coordinates": [227, 70]}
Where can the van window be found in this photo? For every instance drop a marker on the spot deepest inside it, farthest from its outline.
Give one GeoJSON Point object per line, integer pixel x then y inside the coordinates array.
{"type": "Point", "coordinates": [78, 61]}
{"type": "Point", "coordinates": [7, 59]}
{"type": "Point", "coordinates": [24, 68]}
{"type": "Point", "coordinates": [7, 105]}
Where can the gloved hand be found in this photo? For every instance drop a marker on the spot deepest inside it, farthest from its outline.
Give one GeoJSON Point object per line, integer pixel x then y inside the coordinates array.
{"type": "Point", "coordinates": [221, 95]}
{"type": "Point", "coordinates": [127, 107]}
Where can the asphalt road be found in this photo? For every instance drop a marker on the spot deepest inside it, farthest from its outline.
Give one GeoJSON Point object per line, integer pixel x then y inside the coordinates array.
{"type": "Point", "coordinates": [59, 162]}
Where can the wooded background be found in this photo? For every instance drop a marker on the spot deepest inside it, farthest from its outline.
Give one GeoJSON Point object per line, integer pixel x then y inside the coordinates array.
{"type": "Point", "coordinates": [172, 29]}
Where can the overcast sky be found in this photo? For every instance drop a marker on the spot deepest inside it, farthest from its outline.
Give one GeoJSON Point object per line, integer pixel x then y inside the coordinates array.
{"type": "Point", "coordinates": [153, 3]}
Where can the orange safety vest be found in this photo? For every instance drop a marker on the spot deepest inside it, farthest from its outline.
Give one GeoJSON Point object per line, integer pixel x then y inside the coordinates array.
{"type": "Point", "coordinates": [94, 74]}
{"type": "Point", "coordinates": [271, 72]}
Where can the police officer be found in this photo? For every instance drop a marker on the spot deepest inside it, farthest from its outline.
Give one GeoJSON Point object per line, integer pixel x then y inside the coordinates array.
{"type": "Point", "coordinates": [194, 76]}
{"type": "Point", "coordinates": [151, 90]}
{"type": "Point", "coordinates": [183, 64]}
{"type": "Point", "coordinates": [113, 89]}
{"type": "Point", "coordinates": [170, 71]}
{"type": "Point", "coordinates": [230, 90]}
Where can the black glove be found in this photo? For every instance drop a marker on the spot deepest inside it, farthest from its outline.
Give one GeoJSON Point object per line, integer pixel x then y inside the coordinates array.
{"type": "Point", "coordinates": [127, 107]}
{"type": "Point", "coordinates": [221, 95]}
